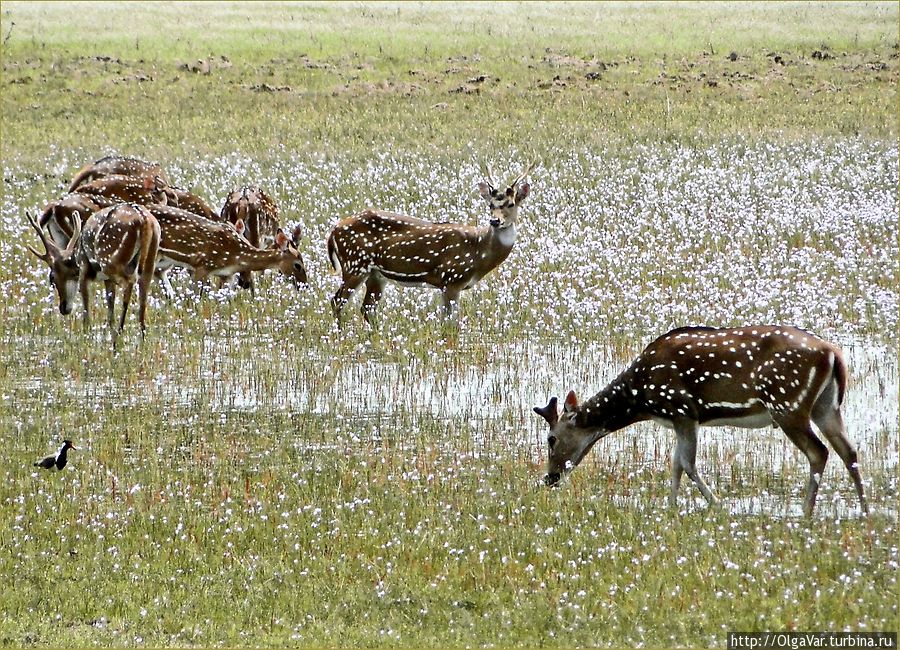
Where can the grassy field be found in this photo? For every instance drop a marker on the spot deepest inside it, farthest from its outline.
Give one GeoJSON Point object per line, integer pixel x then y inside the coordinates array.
{"type": "Point", "coordinates": [251, 475]}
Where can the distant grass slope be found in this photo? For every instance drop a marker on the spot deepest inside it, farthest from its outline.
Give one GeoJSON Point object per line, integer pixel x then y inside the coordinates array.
{"type": "Point", "coordinates": [170, 78]}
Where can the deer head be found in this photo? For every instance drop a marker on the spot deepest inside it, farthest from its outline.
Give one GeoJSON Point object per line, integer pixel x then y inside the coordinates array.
{"type": "Point", "coordinates": [504, 202]}
{"type": "Point", "coordinates": [63, 263]}
{"type": "Point", "coordinates": [568, 442]}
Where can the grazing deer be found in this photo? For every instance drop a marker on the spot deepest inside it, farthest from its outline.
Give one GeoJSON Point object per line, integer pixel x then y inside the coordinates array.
{"type": "Point", "coordinates": [376, 247]}
{"type": "Point", "coordinates": [260, 216]}
{"type": "Point", "coordinates": [118, 245]}
{"type": "Point", "coordinates": [128, 189]}
{"type": "Point", "coordinates": [117, 166]}
{"type": "Point", "coordinates": [212, 248]}
{"type": "Point", "coordinates": [748, 377]}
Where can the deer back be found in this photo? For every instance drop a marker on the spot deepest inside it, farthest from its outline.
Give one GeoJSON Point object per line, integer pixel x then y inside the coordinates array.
{"type": "Point", "coordinates": [128, 189]}
{"type": "Point", "coordinates": [189, 201]}
{"type": "Point", "coordinates": [406, 249]}
{"type": "Point", "coordinates": [117, 166]}
{"type": "Point", "coordinates": [113, 239]}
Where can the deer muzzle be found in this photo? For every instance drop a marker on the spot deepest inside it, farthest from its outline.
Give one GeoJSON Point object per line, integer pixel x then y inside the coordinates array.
{"type": "Point", "coordinates": [551, 480]}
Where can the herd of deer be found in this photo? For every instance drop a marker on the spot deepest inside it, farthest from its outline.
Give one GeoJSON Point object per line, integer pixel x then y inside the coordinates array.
{"type": "Point", "coordinates": [138, 224]}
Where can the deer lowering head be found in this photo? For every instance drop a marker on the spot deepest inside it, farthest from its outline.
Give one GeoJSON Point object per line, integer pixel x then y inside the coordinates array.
{"type": "Point", "coordinates": [377, 247]}
{"type": "Point", "coordinates": [212, 248]}
{"type": "Point", "coordinates": [117, 166]}
{"type": "Point", "coordinates": [63, 262]}
{"type": "Point", "coordinates": [698, 376]}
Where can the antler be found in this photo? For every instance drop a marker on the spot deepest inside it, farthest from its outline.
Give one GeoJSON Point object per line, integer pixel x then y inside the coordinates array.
{"type": "Point", "coordinates": [486, 170]}
{"type": "Point", "coordinates": [40, 231]}
{"type": "Point", "coordinates": [549, 412]}
{"type": "Point", "coordinates": [76, 233]}
{"type": "Point", "coordinates": [528, 170]}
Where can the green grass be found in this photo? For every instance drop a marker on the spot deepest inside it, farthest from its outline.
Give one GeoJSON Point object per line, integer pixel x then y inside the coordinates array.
{"type": "Point", "coordinates": [251, 475]}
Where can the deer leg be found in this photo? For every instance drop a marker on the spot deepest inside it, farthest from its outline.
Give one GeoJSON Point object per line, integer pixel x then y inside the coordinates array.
{"type": "Point", "coordinates": [374, 289]}
{"type": "Point", "coordinates": [143, 291]}
{"type": "Point", "coordinates": [686, 447]}
{"type": "Point", "coordinates": [110, 293]}
{"type": "Point", "coordinates": [245, 281]}
{"type": "Point", "coordinates": [801, 434]}
{"type": "Point", "coordinates": [85, 300]}
{"type": "Point", "coordinates": [343, 294]}
{"type": "Point", "coordinates": [831, 424]}
{"type": "Point", "coordinates": [677, 471]}
{"type": "Point", "coordinates": [166, 285]}
{"type": "Point", "coordinates": [126, 300]}
{"type": "Point", "coordinates": [450, 301]}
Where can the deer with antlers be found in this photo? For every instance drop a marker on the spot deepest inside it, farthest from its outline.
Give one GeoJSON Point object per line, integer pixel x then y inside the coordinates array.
{"type": "Point", "coordinates": [376, 247]}
{"type": "Point", "coordinates": [259, 213]}
{"type": "Point", "coordinates": [691, 377]}
{"type": "Point", "coordinates": [118, 245]}
{"type": "Point", "coordinates": [211, 248]}
{"type": "Point", "coordinates": [117, 166]}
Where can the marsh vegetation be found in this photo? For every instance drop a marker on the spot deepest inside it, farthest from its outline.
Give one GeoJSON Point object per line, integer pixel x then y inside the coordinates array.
{"type": "Point", "coordinates": [250, 474]}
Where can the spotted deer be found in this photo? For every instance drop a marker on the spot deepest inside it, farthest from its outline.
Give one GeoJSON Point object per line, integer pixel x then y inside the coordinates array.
{"type": "Point", "coordinates": [212, 248]}
{"type": "Point", "coordinates": [259, 213]}
{"type": "Point", "coordinates": [376, 247]}
{"type": "Point", "coordinates": [118, 245]}
{"type": "Point", "coordinates": [128, 189]}
{"type": "Point", "coordinates": [116, 166]}
{"type": "Point", "coordinates": [748, 377]}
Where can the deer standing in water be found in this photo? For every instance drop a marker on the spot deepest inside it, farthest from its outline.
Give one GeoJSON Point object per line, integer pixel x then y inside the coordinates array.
{"type": "Point", "coordinates": [259, 213]}
{"type": "Point", "coordinates": [118, 245]}
{"type": "Point", "coordinates": [747, 377]}
{"type": "Point", "coordinates": [117, 166]}
{"type": "Point", "coordinates": [377, 247]}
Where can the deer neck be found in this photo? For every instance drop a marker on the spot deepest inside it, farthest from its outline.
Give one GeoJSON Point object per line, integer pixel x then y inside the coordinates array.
{"type": "Point", "coordinates": [496, 245]}
{"type": "Point", "coordinates": [613, 408]}
{"type": "Point", "coordinates": [254, 259]}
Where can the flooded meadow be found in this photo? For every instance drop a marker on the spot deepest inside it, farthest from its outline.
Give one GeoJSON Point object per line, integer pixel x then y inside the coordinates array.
{"type": "Point", "coordinates": [390, 479]}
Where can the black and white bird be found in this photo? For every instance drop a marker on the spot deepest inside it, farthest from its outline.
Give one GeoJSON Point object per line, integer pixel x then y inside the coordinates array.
{"type": "Point", "coordinates": [58, 460]}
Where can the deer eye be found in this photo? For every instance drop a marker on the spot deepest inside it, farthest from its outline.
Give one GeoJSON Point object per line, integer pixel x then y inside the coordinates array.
{"type": "Point", "coordinates": [551, 440]}
{"type": "Point", "coordinates": [298, 266]}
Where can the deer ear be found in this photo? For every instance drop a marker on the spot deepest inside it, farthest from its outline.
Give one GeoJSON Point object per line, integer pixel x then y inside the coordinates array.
{"type": "Point", "coordinates": [485, 190]}
{"type": "Point", "coordinates": [298, 232]}
{"type": "Point", "coordinates": [522, 192]}
{"type": "Point", "coordinates": [281, 240]}
{"type": "Point", "coordinates": [548, 412]}
{"type": "Point", "coordinates": [571, 401]}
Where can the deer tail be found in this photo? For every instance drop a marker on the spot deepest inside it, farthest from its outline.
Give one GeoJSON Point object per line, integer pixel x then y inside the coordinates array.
{"type": "Point", "coordinates": [150, 235]}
